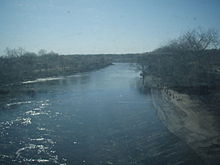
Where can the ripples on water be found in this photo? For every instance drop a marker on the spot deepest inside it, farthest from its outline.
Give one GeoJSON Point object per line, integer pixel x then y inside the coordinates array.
{"type": "Point", "coordinates": [38, 149]}
{"type": "Point", "coordinates": [92, 118]}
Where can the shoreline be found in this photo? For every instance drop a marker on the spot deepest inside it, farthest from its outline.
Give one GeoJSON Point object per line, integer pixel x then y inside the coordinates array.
{"type": "Point", "coordinates": [8, 88]}
{"type": "Point", "coordinates": [188, 118]}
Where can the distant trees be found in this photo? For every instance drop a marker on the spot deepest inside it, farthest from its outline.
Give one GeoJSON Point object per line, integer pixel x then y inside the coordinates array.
{"type": "Point", "coordinates": [18, 52]}
{"type": "Point", "coordinates": [190, 61]}
{"type": "Point", "coordinates": [19, 65]}
{"type": "Point", "coordinates": [194, 40]}
{"type": "Point", "coordinates": [42, 52]}
{"type": "Point", "coordinates": [14, 52]}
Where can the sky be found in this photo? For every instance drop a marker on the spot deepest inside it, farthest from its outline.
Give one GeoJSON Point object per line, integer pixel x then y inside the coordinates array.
{"type": "Point", "coordinates": [101, 26]}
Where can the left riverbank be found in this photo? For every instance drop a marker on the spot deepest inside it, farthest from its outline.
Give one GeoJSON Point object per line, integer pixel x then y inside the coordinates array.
{"type": "Point", "coordinates": [15, 70]}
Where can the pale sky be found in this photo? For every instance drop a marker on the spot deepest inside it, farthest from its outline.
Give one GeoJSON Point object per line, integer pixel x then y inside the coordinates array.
{"type": "Point", "coordinates": [101, 26]}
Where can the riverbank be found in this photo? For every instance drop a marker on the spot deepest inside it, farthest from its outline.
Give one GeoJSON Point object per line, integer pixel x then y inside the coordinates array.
{"type": "Point", "coordinates": [186, 94]}
{"type": "Point", "coordinates": [191, 119]}
{"type": "Point", "coordinates": [16, 70]}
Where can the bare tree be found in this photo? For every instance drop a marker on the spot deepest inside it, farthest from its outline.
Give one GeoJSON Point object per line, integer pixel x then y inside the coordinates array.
{"type": "Point", "coordinates": [42, 52]}
{"type": "Point", "coordinates": [194, 40]}
{"type": "Point", "coordinates": [199, 40]}
{"type": "Point", "coordinates": [14, 52]}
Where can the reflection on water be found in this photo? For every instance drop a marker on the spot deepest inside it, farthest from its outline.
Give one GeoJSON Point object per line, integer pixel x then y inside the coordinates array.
{"type": "Point", "coordinates": [90, 118]}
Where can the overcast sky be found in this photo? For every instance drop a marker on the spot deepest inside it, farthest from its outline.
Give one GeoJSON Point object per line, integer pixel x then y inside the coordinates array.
{"type": "Point", "coordinates": [101, 26]}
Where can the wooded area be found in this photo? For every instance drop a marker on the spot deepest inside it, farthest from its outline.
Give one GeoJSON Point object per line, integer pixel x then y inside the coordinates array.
{"type": "Point", "coordinates": [190, 62]}
{"type": "Point", "coordinates": [17, 66]}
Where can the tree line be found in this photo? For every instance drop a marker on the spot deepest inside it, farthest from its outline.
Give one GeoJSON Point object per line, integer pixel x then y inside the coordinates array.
{"type": "Point", "coordinates": [18, 65]}
{"type": "Point", "coordinates": [191, 61]}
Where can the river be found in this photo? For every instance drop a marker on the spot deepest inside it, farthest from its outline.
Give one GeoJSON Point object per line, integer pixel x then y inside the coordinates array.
{"type": "Point", "coordinates": [94, 118]}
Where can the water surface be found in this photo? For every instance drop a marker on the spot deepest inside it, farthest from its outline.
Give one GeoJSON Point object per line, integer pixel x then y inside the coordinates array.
{"type": "Point", "coordinates": [93, 118]}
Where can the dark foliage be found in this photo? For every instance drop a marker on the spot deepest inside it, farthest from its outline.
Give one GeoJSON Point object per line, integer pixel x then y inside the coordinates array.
{"type": "Point", "coordinates": [29, 66]}
{"type": "Point", "coordinates": [189, 69]}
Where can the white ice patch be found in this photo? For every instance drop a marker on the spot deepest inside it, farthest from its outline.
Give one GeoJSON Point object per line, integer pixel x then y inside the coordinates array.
{"type": "Point", "coordinates": [42, 80]}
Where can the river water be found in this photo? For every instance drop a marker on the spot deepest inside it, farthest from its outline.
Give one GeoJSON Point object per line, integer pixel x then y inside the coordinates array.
{"type": "Point", "coordinates": [100, 117]}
